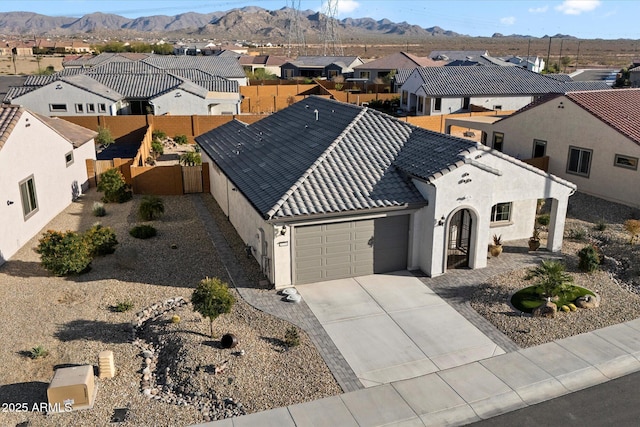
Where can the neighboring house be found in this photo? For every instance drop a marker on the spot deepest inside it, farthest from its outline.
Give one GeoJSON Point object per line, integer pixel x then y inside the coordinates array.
{"type": "Point", "coordinates": [446, 90]}
{"type": "Point", "coordinates": [531, 63]}
{"type": "Point", "coordinates": [325, 190]}
{"type": "Point", "coordinates": [634, 77]}
{"type": "Point", "coordinates": [591, 138]}
{"type": "Point", "coordinates": [269, 63]}
{"type": "Point", "coordinates": [484, 60]}
{"type": "Point", "coordinates": [43, 164]}
{"type": "Point", "coordinates": [321, 67]}
{"type": "Point", "coordinates": [457, 55]}
{"type": "Point", "coordinates": [143, 84]}
{"type": "Point", "coordinates": [379, 70]}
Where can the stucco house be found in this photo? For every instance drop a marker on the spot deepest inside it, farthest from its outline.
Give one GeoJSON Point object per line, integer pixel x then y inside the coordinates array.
{"type": "Point", "coordinates": [320, 67]}
{"type": "Point", "coordinates": [324, 190]}
{"type": "Point", "coordinates": [456, 89]}
{"type": "Point", "coordinates": [387, 67]}
{"type": "Point", "coordinates": [126, 85]}
{"type": "Point", "coordinates": [591, 138]}
{"type": "Point", "coordinates": [43, 164]}
{"type": "Point", "coordinates": [271, 64]}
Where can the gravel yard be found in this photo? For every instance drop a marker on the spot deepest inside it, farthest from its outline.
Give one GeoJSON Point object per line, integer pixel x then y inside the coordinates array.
{"type": "Point", "coordinates": [73, 319]}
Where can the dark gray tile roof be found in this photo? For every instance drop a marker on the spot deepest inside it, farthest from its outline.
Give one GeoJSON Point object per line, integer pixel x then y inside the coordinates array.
{"type": "Point", "coordinates": [471, 81]}
{"type": "Point", "coordinates": [140, 86]}
{"type": "Point", "coordinates": [90, 84]}
{"type": "Point", "coordinates": [402, 75]}
{"type": "Point", "coordinates": [15, 92]}
{"type": "Point", "coordinates": [457, 55]}
{"type": "Point", "coordinates": [350, 159]}
{"type": "Point", "coordinates": [227, 67]}
{"type": "Point", "coordinates": [126, 67]}
{"type": "Point", "coordinates": [323, 61]}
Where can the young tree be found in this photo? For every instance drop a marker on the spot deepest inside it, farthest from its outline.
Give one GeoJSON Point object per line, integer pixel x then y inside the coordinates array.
{"type": "Point", "coordinates": [211, 299]}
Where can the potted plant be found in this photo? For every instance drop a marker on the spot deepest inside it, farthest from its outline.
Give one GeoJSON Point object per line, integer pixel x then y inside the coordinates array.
{"type": "Point", "coordinates": [496, 248]}
{"type": "Point", "coordinates": [534, 240]}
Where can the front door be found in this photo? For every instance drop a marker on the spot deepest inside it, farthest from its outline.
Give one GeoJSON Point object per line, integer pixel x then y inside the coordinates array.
{"type": "Point", "coordinates": [458, 240]}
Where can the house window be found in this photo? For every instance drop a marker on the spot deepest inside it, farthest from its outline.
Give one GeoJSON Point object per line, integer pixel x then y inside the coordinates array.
{"type": "Point", "coordinates": [29, 199]}
{"type": "Point", "coordinates": [91, 108]}
{"type": "Point", "coordinates": [626, 162]}
{"type": "Point", "coordinates": [420, 104]}
{"type": "Point", "coordinates": [288, 74]}
{"type": "Point", "coordinates": [333, 73]}
{"type": "Point", "coordinates": [498, 140]}
{"type": "Point", "coordinates": [497, 107]}
{"type": "Point", "coordinates": [58, 108]}
{"type": "Point", "coordinates": [405, 97]}
{"type": "Point", "coordinates": [365, 74]}
{"type": "Point", "coordinates": [579, 161]}
{"type": "Point", "coordinates": [539, 148]}
{"type": "Point", "coordinates": [501, 212]}
{"type": "Point", "coordinates": [68, 158]}
{"type": "Point", "coordinates": [466, 102]}
{"type": "Point", "coordinates": [102, 108]}
{"type": "Point", "coordinates": [79, 108]}
{"type": "Point", "coordinates": [437, 104]}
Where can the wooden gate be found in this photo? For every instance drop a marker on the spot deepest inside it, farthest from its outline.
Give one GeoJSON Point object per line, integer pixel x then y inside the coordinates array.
{"type": "Point", "coordinates": [192, 179]}
{"type": "Point", "coordinates": [101, 166]}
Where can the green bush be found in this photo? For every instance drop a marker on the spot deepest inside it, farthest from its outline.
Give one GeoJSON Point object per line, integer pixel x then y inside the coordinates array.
{"type": "Point", "coordinates": [38, 352]}
{"type": "Point", "coordinates": [104, 137]}
{"type": "Point", "coordinates": [191, 159]}
{"type": "Point", "coordinates": [601, 225]}
{"type": "Point", "coordinates": [157, 147]}
{"type": "Point", "coordinates": [64, 253]}
{"type": "Point", "coordinates": [589, 258]}
{"type": "Point", "coordinates": [98, 209]}
{"type": "Point", "coordinates": [212, 298]}
{"type": "Point", "coordinates": [292, 337]}
{"type": "Point", "coordinates": [151, 207]}
{"type": "Point", "coordinates": [143, 231]}
{"type": "Point", "coordinates": [577, 233]}
{"type": "Point", "coordinates": [114, 187]}
{"type": "Point", "coordinates": [158, 135]}
{"type": "Point", "coordinates": [544, 219]}
{"type": "Point", "coordinates": [122, 306]}
{"type": "Point", "coordinates": [180, 139]}
{"type": "Point", "coordinates": [101, 240]}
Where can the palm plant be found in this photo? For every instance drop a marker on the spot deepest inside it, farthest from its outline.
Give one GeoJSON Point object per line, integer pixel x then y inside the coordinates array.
{"type": "Point", "coordinates": [191, 158]}
{"type": "Point", "coordinates": [551, 278]}
{"type": "Point", "coordinates": [151, 207]}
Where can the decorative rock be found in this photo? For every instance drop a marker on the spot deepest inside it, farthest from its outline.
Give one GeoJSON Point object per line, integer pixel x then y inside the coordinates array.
{"type": "Point", "coordinates": [587, 301]}
{"type": "Point", "coordinates": [548, 309]}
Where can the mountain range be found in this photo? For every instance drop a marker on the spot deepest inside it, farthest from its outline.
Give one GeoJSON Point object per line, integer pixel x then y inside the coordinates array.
{"type": "Point", "coordinates": [239, 24]}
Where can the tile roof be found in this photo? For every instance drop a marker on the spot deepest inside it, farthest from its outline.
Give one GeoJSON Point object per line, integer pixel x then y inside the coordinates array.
{"type": "Point", "coordinates": [617, 108]}
{"type": "Point", "coordinates": [399, 60]}
{"type": "Point", "coordinates": [402, 75]}
{"type": "Point", "coordinates": [93, 85]}
{"type": "Point", "coordinates": [227, 67]}
{"type": "Point", "coordinates": [471, 81]}
{"type": "Point", "coordinates": [350, 159]}
{"type": "Point", "coordinates": [9, 116]}
{"type": "Point", "coordinates": [140, 86]}
{"type": "Point", "coordinates": [323, 61]}
{"type": "Point", "coordinates": [75, 134]}
{"type": "Point", "coordinates": [457, 55]}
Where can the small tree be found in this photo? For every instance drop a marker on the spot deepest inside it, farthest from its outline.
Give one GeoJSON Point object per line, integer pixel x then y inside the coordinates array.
{"type": "Point", "coordinates": [551, 278]}
{"type": "Point", "coordinates": [104, 137]}
{"type": "Point", "coordinates": [632, 226]}
{"type": "Point", "coordinates": [151, 207]}
{"type": "Point", "coordinates": [191, 159]}
{"type": "Point", "coordinates": [114, 186]}
{"type": "Point", "coordinates": [211, 299]}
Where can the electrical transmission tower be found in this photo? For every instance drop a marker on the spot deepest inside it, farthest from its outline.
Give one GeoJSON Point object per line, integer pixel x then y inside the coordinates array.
{"type": "Point", "coordinates": [332, 45]}
{"type": "Point", "coordinates": [295, 36]}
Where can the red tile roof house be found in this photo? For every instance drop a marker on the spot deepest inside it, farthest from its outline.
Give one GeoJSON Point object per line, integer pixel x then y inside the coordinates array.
{"type": "Point", "coordinates": [43, 167]}
{"type": "Point", "coordinates": [325, 190]}
{"type": "Point", "coordinates": [592, 138]}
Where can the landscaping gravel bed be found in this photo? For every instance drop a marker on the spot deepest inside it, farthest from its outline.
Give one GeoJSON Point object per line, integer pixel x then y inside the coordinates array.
{"type": "Point", "coordinates": [73, 318]}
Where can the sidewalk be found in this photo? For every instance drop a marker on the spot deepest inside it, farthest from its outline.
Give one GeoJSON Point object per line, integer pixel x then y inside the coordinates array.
{"type": "Point", "coordinates": [455, 396]}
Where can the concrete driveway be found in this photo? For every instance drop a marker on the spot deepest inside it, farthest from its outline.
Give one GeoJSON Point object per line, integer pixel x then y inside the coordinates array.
{"type": "Point", "coordinates": [390, 327]}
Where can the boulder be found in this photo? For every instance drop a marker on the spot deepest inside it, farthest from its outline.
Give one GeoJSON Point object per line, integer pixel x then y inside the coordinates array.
{"type": "Point", "coordinates": [587, 301]}
{"type": "Point", "coordinates": [547, 309]}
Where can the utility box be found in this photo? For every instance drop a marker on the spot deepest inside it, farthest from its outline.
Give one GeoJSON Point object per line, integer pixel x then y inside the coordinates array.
{"type": "Point", "coordinates": [72, 388]}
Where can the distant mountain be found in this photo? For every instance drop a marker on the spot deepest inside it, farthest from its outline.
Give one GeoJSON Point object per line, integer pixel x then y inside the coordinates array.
{"type": "Point", "coordinates": [244, 23]}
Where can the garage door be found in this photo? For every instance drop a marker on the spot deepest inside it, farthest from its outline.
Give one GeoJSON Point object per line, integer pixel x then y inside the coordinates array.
{"type": "Point", "coordinates": [348, 249]}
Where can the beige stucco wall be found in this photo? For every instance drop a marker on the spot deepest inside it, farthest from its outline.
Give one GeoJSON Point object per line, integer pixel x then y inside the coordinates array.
{"type": "Point", "coordinates": [573, 126]}
{"type": "Point", "coordinates": [39, 151]}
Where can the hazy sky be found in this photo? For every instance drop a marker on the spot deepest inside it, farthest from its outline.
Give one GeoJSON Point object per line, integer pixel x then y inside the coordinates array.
{"type": "Point", "coordinates": [607, 19]}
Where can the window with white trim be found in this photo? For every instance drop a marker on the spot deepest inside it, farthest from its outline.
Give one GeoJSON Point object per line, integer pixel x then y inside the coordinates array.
{"type": "Point", "coordinates": [29, 198]}
{"type": "Point", "coordinates": [91, 108]}
{"type": "Point", "coordinates": [579, 161]}
{"type": "Point", "coordinates": [68, 158]}
{"type": "Point", "coordinates": [501, 212]}
{"type": "Point", "coordinates": [58, 108]}
{"type": "Point", "coordinates": [79, 108]}
{"type": "Point", "coordinates": [102, 108]}
{"type": "Point", "coordinates": [437, 104]}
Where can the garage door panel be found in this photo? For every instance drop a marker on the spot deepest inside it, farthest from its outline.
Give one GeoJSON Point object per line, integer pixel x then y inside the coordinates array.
{"type": "Point", "coordinates": [336, 238]}
{"type": "Point", "coordinates": [311, 240]}
{"type": "Point", "coordinates": [341, 249]}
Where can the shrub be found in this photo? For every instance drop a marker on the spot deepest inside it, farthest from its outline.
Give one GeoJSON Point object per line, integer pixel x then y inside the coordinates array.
{"type": "Point", "coordinates": [151, 207]}
{"type": "Point", "coordinates": [191, 159]}
{"type": "Point", "coordinates": [577, 233]}
{"type": "Point", "coordinates": [98, 209]}
{"type": "Point", "coordinates": [158, 135]}
{"type": "Point", "coordinates": [292, 337]}
{"type": "Point", "coordinates": [114, 187]}
{"type": "Point", "coordinates": [180, 139]}
{"type": "Point", "coordinates": [212, 298]}
{"type": "Point", "coordinates": [552, 279]}
{"type": "Point", "coordinates": [589, 258]}
{"type": "Point", "coordinates": [143, 231]}
{"type": "Point", "coordinates": [104, 137]}
{"type": "Point", "coordinates": [122, 306]}
{"type": "Point", "coordinates": [632, 226]}
{"type": "Point", "coordinates": [543, 219]}
{"type": "Point", "coordinates": [601, 225]}
{"type": "Point", "coordinates": [38, 352]}
{"type": "Point", "coordinates": [157, 147]}
{"type": "Point", "coordinates": [64, 253]}
{"type": "Point", "coordinates": [101, 240]}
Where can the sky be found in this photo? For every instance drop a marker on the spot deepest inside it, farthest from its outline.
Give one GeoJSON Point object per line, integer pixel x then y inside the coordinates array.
{"type": "Point", "coordinates": [587, 19]}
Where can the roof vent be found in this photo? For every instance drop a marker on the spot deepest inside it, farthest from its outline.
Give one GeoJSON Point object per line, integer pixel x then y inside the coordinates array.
{"type": "Point", "coordinates": [316, 113]}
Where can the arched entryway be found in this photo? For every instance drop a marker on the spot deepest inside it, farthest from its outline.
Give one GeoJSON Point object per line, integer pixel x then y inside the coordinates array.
{"type": "Point", "coordinates": [459, 240]}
